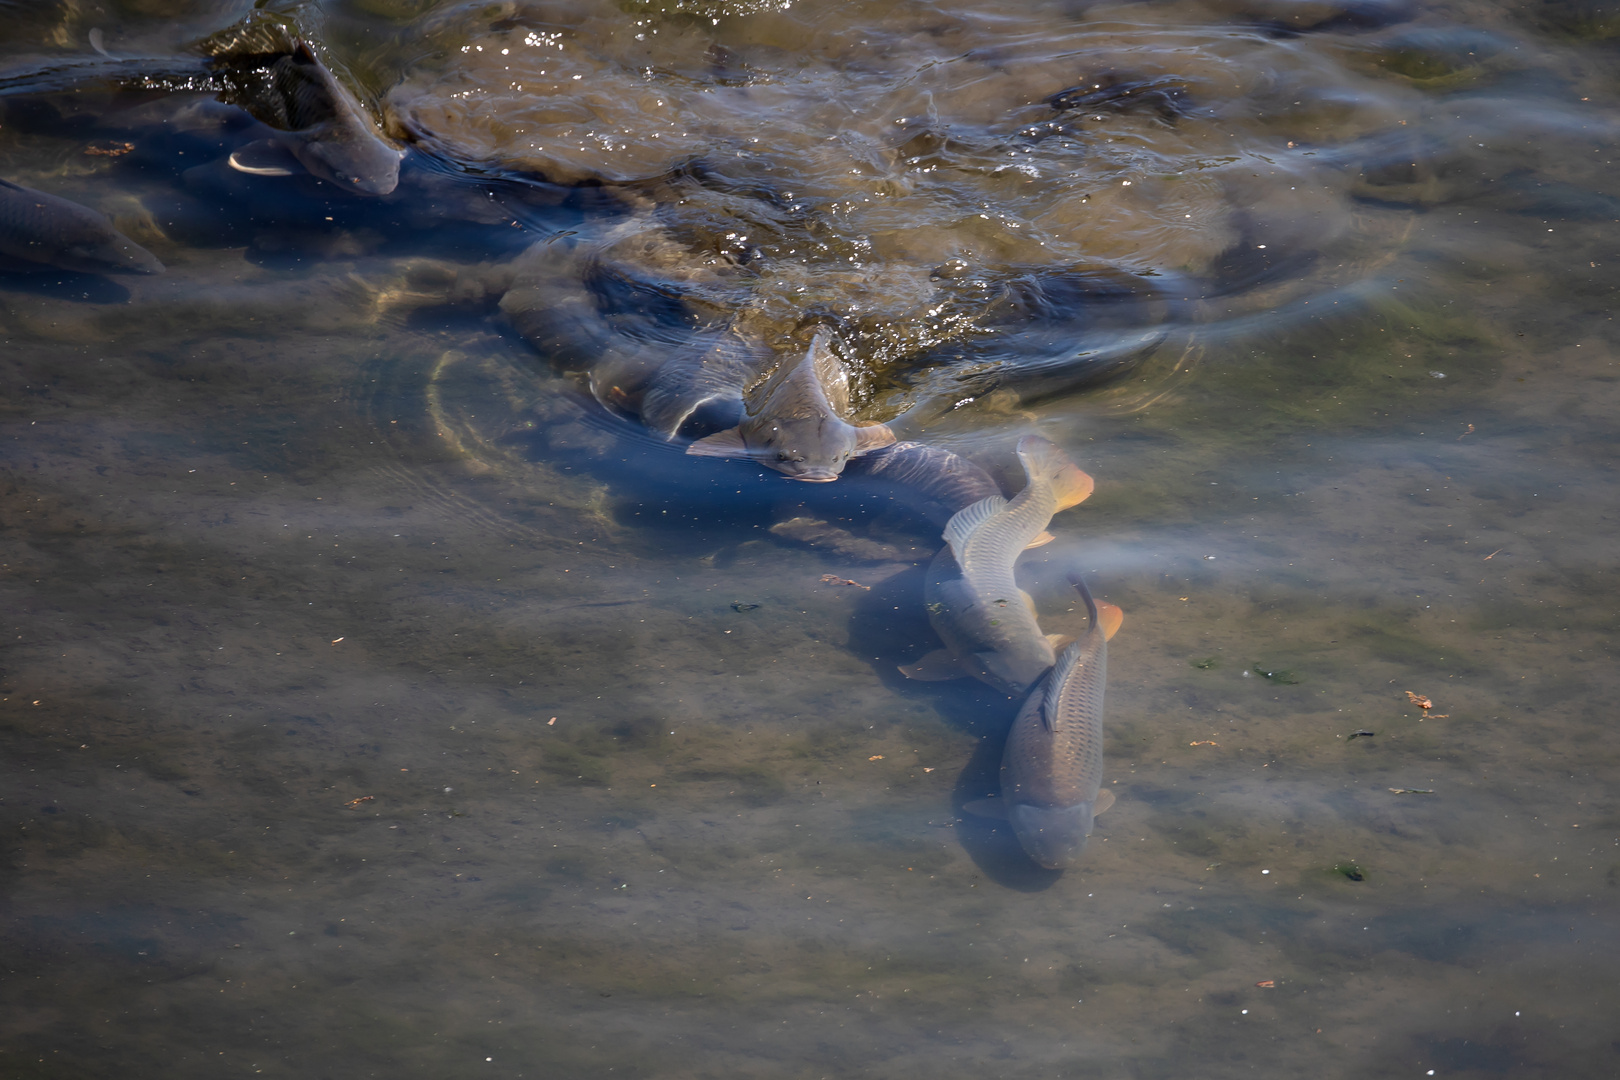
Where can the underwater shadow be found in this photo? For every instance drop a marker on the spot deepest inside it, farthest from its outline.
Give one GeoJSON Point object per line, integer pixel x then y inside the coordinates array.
{"type": "Point", "coordinates": [890, 625]}
{"type": "Point", "coordinates": [64, 285]}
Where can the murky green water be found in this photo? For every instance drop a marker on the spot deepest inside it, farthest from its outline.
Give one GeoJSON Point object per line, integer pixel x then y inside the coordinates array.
{"type": "Point", "coordinates": [375, 705]}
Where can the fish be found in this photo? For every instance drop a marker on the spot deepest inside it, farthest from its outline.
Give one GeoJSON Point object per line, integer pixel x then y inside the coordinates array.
{"type": "Point", "coordinates": [974, 604]}
{"type": "Point", "coordinates": [794, 419]}
{"type": "Point", "coordinates": [276, 77]}
{"type": "Point", "coordinates": [933, 480]}
{"type": "Point", "coordinates": [49, 231]}
{"type": "Point", "coordinates": [1051, 769]}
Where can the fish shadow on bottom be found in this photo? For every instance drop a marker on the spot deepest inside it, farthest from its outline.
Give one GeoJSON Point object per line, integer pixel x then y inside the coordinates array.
{"type": "Point", "coordinates": [890, 626]}
{"type": "Point", "coordinates": [70, 285]}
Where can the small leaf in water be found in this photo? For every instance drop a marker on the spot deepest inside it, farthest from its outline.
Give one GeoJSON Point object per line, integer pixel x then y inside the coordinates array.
{"type": "Point", "coordinates": [1285, 678]}
{"type": "Point", "coordinates": [1207, 663]}
{"type": "Point", "coordinates": [742, 605]}
{"type": "Point", "coordinates": [1349, 870]}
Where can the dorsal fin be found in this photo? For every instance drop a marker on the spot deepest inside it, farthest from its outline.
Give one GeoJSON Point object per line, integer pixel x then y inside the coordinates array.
{"type": "Point", "coordinates": [1053, 688]}
{"type": "Point", "coordinates": [830, 373]}
{"type": "Point", "coordinates": [960, 528]}
{"type": "Point", "coordinates": [791, 390]}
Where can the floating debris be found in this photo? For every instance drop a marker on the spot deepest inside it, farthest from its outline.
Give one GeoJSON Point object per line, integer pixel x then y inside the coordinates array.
{"type": "Point", "coordinates": [834, 579]}
{"type": "Point", "coordinates": [1420, 701]}
{"type": "Point", "coordinates": [1207, 663]}
{"type": "Point", "coordinates": [352, 803]}
{"type": "Point", "coordinates": [742, 605]}
{"type": "Point", "coordinates": [875, 757]}
{"type": "Point", "coordinates": [1282, 677]}
{"type": "Point", "coordinates": [1204, 742]}
{"type": "Point", "coordinates": [1266, 984]}
{"type": "Point", "coordinates": [1412, 790]}
{"type": "Point", "coordinates": [1349, 870]}
{"type": "Point", "coordinates": [109, 149]}
{"type": "Point", "coordinates": [1361, 734]}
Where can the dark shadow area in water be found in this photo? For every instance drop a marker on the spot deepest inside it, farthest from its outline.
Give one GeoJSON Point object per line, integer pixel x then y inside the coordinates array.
{"type": "Point", "coordinates": [64, 285]}
{"type": "Point", "coordinates": [889, 625]}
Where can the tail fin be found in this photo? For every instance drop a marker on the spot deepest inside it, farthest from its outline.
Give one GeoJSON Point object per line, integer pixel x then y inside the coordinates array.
{"type": "Point", "coordinates": [1045, 461]}
{"type": "Point", "coordinates": [1105, 616]}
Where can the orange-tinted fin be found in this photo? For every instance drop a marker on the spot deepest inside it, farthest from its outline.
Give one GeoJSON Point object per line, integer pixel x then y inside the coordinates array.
{"type": "Point", "coordinates": [940, 665]}
{"type": "Point", "coordinates": [1059, 642]}
{"type": "Point", "coordinates": [1103, 801]}
{"type": "Point", "coordinates": [1110, 617]}
{"type": "Point", "coordinates": [1072, 486]}
{"type": "Point", "coordinates": [1044, 460]}
{"type": "Point", "coordinates": [1044, 538]}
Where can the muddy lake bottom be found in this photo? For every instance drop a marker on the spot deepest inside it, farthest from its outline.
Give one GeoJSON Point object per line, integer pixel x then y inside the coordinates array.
{"type": "Point", "coordinates": [374, 706]}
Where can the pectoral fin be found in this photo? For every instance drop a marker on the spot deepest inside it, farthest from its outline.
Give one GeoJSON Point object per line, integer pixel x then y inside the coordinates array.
{"type": "Point", "coordinates": [870, 437]}
{"type": "Point", "coordinates": [1044, 538]}
{"type": "Point", "coordinates": [1059, 642]}
{"type": "Point", "coordinates": [986, 808]}
{"type": "Point", "coordinates": [1110, 617]}
{"type": "Point", "coordinates": [940, 665]}
{"type": "Point", "coordinates": [726, 444]}
{"type": "Point", "coordinates": [1103, 801]}
{"type": "Point", "coordinates": [263, 158]}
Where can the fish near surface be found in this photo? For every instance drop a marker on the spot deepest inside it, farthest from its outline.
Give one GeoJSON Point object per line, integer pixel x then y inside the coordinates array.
{"type": "Point", "coordinates": [277, 78]}
{"type": "Point", "coordinates": [794, 422]}
{"type": "Point", "coordinates": [1051, 769]}
{"type": "Point", "coordinates": [974, 604]}
{"type": "Point", "coordinates": [50, 231]}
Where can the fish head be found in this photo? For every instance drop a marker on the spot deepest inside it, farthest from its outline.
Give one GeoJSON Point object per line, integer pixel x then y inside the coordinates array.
{"type": "Point", "coordinates": [108, 254]}
{"type": "Point", "coordinates": [87, 242]}
{"type": "Point", "coordinates": [361, 161]}
{"type": "Point", "coordinates": [795, 421]}
{"type": "Point", "coordinates": [810, 448]}
{"type": "Point", "coordinates": [1054, 836]}
{"type": "Point", "coordinates": [1017, 665]}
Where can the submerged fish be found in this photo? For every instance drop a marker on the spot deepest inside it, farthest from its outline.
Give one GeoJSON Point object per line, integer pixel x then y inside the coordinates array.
{"type": "Point", "coordinates": [1052, 767]}
{"type": "Point", "coordinates": [46, 230]}
{"type": "Point", "coordinates": [794, 422]}
{"type": "Point", "coordinates": [279, 80]}
{"type": "Point", "coordinates": [986, 621]}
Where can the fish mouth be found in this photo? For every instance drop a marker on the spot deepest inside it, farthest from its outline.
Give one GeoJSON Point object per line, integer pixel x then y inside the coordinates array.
{"type": "Point", "coordinates": [1053, 836]}
{"type": "Point", "coordinates": [817, 477]}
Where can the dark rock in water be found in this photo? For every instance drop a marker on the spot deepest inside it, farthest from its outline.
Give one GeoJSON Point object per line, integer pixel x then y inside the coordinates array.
{"type": "Point", "coordinates": [1110, 92]}
{"type": "Point", "coordinates": [44, 231]}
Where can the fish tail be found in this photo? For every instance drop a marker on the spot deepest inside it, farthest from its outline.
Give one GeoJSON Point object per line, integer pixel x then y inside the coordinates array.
{"type": "Point", "coordinates": [1085, 594]}
{"type": "Point", "coordinates": [1047, 463]}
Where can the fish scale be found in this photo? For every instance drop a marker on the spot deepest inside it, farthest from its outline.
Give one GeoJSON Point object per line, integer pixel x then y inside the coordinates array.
{"type": "Point", "coordinates": [1051, 768]}
{"type": "Point", "coordinates": [1068, 710]}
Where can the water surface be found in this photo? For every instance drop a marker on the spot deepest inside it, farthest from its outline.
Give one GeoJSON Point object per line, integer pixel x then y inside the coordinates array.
{"type": "Point", "coordinates": [377, 705]}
